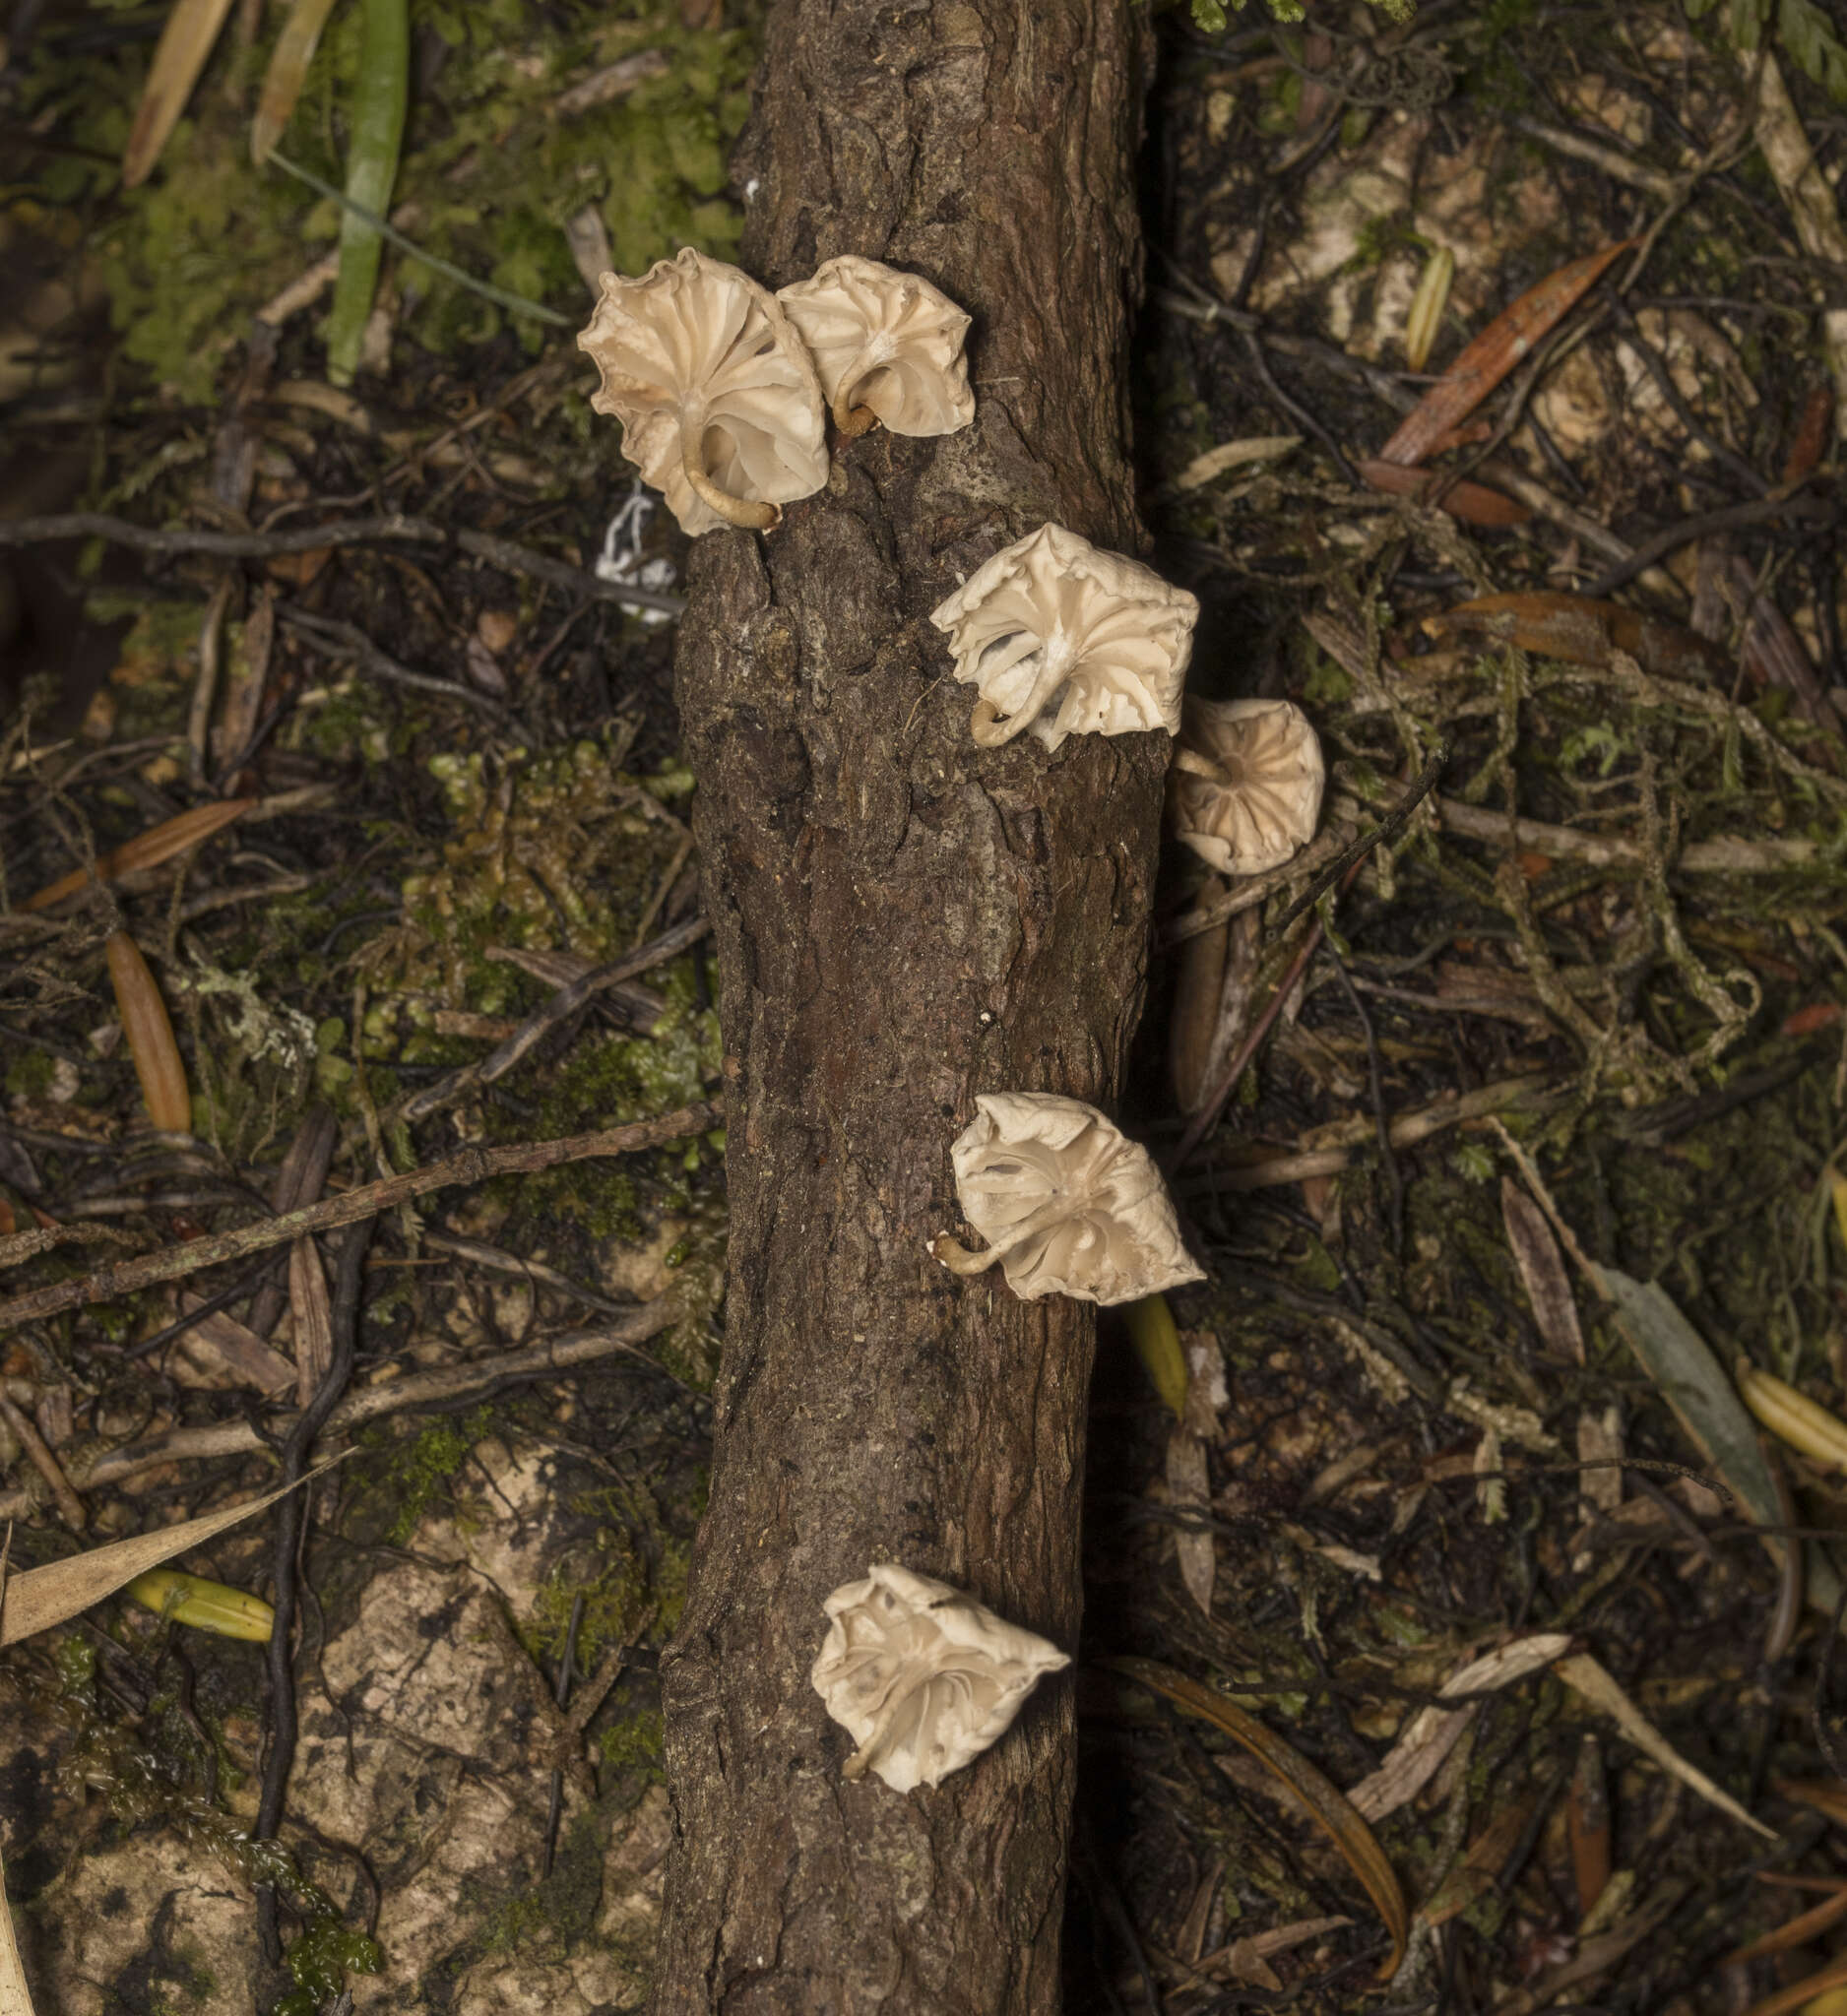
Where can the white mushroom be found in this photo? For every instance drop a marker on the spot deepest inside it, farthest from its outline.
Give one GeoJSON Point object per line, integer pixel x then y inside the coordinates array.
{"type": "Point", "coordinates": [720, 405]}
{"type": "Point", "coordinates": [888, 346]}
{"type": "Point", "coordinates": [1052, 611]}
{"type": "Point", "coordinates": [1245, 787]}
{"type": "Point", "coordinates": [923, 1677]}
{"type": "Point", "coordinates": [1068, 1204]}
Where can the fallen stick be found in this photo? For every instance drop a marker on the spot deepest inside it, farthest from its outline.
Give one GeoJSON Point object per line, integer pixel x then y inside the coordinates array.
{"type": "Point", "coordinates": [472, 1166]}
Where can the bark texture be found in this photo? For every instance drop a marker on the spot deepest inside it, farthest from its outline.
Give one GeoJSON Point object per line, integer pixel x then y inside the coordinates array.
{"type": "Point", "coordinates": [903, 921]}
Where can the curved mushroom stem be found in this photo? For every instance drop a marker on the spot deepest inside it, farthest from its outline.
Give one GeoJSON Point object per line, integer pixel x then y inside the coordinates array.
{"type": "Point", "coordinates": [959, 1260]}
{"type": "Point", "coordinates": [747, 512]}
{"type": "Point", "coordinates": [1199, 766]}
{"type": "Point", "coordinates": [986, 724]}
{"type": "Point", "coordinates": [852, 420]}
{"type": "Point", "coordinates": [856, 1766]}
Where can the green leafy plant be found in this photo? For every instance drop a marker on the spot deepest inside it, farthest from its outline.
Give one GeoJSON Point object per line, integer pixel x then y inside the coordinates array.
{"type": "Point", "coordinates": [1802, 27]}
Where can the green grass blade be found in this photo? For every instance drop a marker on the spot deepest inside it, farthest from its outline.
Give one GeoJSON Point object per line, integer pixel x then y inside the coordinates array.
{"type": "Point", "coordinates": [378, 113]}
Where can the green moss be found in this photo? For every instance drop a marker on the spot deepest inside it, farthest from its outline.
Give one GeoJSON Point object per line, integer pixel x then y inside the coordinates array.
{"type": "Point", "coordinates": [491, 170]}
{"type": "Point", "coordinates": [417, 1470]}
{"type": "Point", "coordinates": [637, 1743]}
{"type": "Point", "coordinates": [29, 1072]}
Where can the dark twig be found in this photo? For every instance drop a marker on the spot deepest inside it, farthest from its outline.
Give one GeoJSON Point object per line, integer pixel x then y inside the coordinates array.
{"type": "Point", "coordinates": [1806, 509]}
{"type": "Point", "coordinates": [393, 530]}
{"type": "Point", "coordinates": [348, 1285]}
{"type": "Point", "coordinates": [334, 639]}
{"type": "Point", "coordinates": [471, 1167]}
{"type": "Point", "coordinates": [563, 1696]}
{"type": "Point", "coordinates": [1394, 1180]}
{"type": "Point", "coordinates": [560, 1008]}
{"type": "Point", "coordinates": [1388, 828]}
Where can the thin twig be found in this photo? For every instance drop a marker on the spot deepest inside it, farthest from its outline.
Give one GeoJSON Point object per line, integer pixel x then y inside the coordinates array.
{"type": "Point", "coordinates": [1730, 518]}
{"type": "Point", "coordinates": [390, 529]}
{"type": "Point", "coordinates": [439, 1388]}
{"type": "Point", "coordinates": [474, 1165]}
{"type": "Point", "coordinates": [1355, 852]}
{"type": "Point", "coordinates": [334, 639]}
{"type": "Point", "coordinates": [348, 1290]}
{"type": "Point", "coordinates": [560, 1008]}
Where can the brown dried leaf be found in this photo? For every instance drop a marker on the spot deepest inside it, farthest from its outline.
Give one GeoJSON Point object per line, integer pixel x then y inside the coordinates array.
{"type": "Point", "coordinates": [1583, 632]}
{"type": "Point", "coordinates": [313, 1319]}
{"type": "Point", "coordinates": [289, 68]}
{"type": "Point", "coordinates": [1587, 1678]}
{"type": "Point", "coordinates": [150, 1036]}
{"type": "Point", "coordinates": [185, 43]}
{"type": "Point", "coordinates": [1796, 1931]}
{"type": "Point", "coordinates": [147, 849]}
{"type": "Point", "coordinates": [15, 1999]}
{"type": "Point", "coordinates": [1188, 1489]}
{"type": "Point", "coordinates": [52, 1595]}
{"type": "Point", "coordinates": [1503, 344]}
{"type": "Point", "coordinates": [1487, 1856]}
{"type": "Point", "coordinates": [1323, 1798]}
{"type": "Point", "coordinates": [1432, 1733]}
{"type": "Point", "coordinates": [1542, 1271]}
{"type": "Point", "coordinates": [1800, 1993]}
{"type": "Point", "coordinates": [1470, 503]}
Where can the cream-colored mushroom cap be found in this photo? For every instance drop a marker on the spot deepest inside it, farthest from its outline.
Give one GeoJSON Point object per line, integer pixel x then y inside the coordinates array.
{"type": "Point", "coordinates": [923, 1677]}
{"type": "Point", "coordinates": [1066, 1203]}
{"type": "Point", "coordinates": [1246, 789]}
{"type": "Point", "coordinates": [888, 346]}
{"type": "Point", "coordinates": [1060, 637]}
{"type": "Point", "coordinates": [720, 405]}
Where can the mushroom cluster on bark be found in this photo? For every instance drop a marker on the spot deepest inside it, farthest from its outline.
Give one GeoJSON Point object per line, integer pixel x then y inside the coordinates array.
{"type": "Point", "coordinates": [923, 1677]}
{"type": "Point", "coordinates": [1053, 620]}
{"type": "Point", "coordinates": [722, 386]}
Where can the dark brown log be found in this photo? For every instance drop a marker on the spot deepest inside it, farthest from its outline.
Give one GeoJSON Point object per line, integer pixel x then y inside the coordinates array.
{"type": "Point", "coordinates": [903, 921]}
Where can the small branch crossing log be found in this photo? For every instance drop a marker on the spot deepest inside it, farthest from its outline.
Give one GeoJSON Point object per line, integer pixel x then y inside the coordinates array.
{"type": "Point", "coordinates": [902, 920]}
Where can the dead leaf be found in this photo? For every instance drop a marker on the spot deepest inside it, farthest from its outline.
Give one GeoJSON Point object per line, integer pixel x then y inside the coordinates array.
{"type": "Point", "coordinates": [1503, 344]}
{"type": "Point", "coordinates": [54, 1594]}
{"type": "Point", "coordinates": [288, 71]}
{"type": "Point", "coordinates": [185, 43]}
{"type": "Point", "coordinates": [1474, 1876]}
{"type": "Point", "coordinates": [157, 1062]}
{"type": "Point", "coordinates": [1234, 455]}
{"type": "Point", "coordinates": [1432, 1733]}
{"type": "Point", "coordinates": [313, 1316]}
{"type": "Point", "coordinates": [1582, 631]}
{"type": "Point", "coordinates": [147, 849]}
{"type": "Point", "coordinates": [1322, 1798]}
{"type": "Point", "coordinates": [221, 1352]}
{"type": "Point", "coordinates": [15, 1999]}
{"type": "Point", "coordinates": [1542, 1271]}
{"type": "Point", "coordinates": [1796, 1931]}
{"type": "Point", "coordinates": [1189, 1490]}
{"type": "Point", "coordinates": [1585, 1676]}
{"type": "Point", "coordinates": [1469, 503]}
{"type": "Point", "coordinates": [1799, 1993]}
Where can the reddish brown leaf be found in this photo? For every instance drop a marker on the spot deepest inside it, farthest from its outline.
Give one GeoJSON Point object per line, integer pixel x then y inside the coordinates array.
{"type": "Point", "coordinates": [1542, 1271]}
{"type": "Point", "coordinates": [147, 849]}
{"type": "Point", "coordinates": [1812, 434]}
{"type": "Point", "coordinates": [1322, 1798]}
{"type": "Point", "coordinates": [150, 1036]}
{"type": "Point", "coordinates": [1503, 344]}
{"type": "Point", "coordinates": [1472, 503]}
{"type": "Point", "coordinates": [1797, 1931]}
{"type": "Point", "coordinates": [1588, 1819]}
{"type": "Point", "coordinates": [1582, 632]}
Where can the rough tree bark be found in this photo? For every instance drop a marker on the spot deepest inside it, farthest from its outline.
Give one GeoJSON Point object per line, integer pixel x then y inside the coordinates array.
{"type": "Point", "coordinates": [903, 921]}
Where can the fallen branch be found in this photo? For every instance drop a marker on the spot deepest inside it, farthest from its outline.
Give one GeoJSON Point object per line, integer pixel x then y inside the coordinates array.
{"type": "Point", "coordinates": [352, 532]}
{"type": "Point", "coordinates": [373, 1403]}
{"type": "Point", "coordinates": [471, 1167]}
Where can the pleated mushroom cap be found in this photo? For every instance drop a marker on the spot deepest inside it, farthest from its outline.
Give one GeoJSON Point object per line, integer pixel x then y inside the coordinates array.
{"type": "Point", "coordinates": [1058, 636]}
{"type": "Point", "coordinates": [923, 1677]}
{"type": "Point", "coordinates": [888, 345]}
{"type": "Point", "coordinates": [1066, 1203]}
{"type": "Point", "coordinates": [719, 407]}
{"type": "Point", "coordinates": [1245, 789]}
